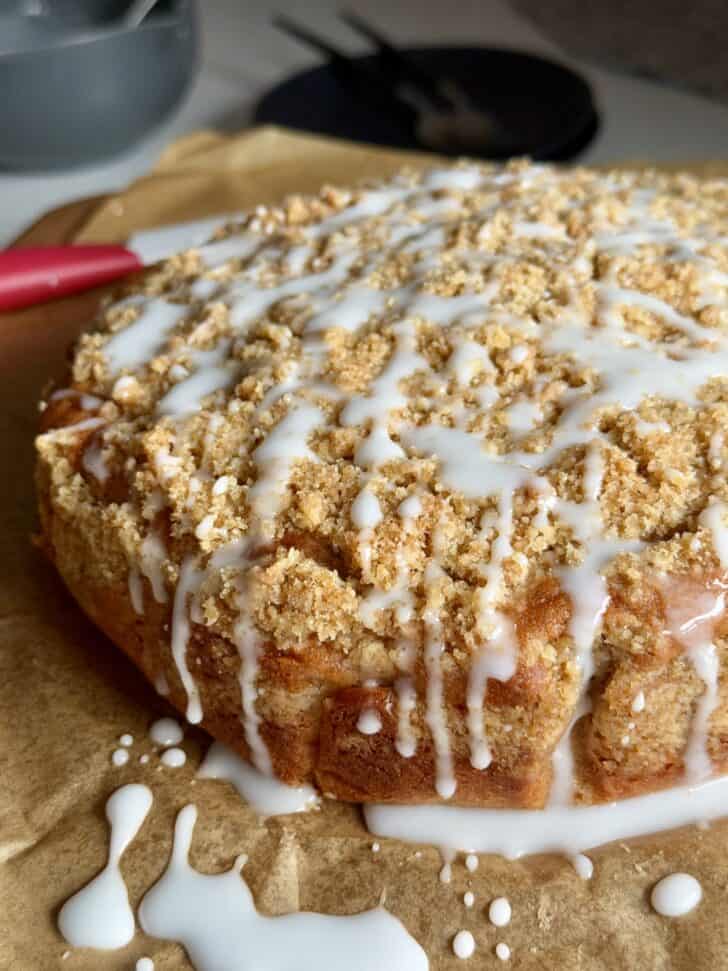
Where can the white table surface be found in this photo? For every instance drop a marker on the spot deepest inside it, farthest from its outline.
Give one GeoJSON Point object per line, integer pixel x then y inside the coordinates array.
{"type": "Point", "coordinates": [243, 55]}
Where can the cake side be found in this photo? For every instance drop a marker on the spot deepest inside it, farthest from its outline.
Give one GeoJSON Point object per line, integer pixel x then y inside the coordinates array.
{"type": "Point", "coordinates": [420, 488]}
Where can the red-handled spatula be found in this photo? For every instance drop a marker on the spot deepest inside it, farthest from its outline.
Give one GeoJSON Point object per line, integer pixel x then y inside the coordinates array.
{"type": "Point", "coordinates": [36, 274]}
{"type": "Point", "coordinates": [30, 275]}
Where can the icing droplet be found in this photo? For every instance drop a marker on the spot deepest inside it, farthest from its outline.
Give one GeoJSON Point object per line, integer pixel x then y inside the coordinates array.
{"type": "Point", "coordinates": [126, 740]}
{"type": "Point", "coordinates": [144, 964]}
{"type": "Point", "coordinates": [446, 873]}
{"type": "Point", "coordinates": [502, 951]}
{"type": "Point", "coordinates": [469, 898]}
{"type": "Point", "coordinates": [119, 757]}
{"type": "Point", "coordinates": [471, 862]}
{"type": "Point", "coordinates": [166, 731]}
{"type": "Point", "coordinates": [369, 722]}
{"type": "Point", "coordinates": [463, 945]}
{"type": "Point", "coordinates": [499, 912]}
{"type": "Point", "coordinates": [173, 758]}
{"type": "Point", "coordinates": [676, 895]}
{"type": "Point", "coordinates": [583, 866]}
{"type": "Point", "coordinates": [375, 847]}
{"type": "Point", "coordinates": [638, 702]}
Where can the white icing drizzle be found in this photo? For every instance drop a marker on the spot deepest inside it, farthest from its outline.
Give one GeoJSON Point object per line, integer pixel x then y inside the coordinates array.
{"type": "Point", "coordinates": [557, 829]}
{"type": "Point", "coordinates": [713, 519]}
{"type": "Point", "coordinates": [212, 374]}
{"type": "Point", "coordinates": [214, 918]}
{"type": "Point", "coordinates": [153, 554]}
{"type": "Point", "coordinates": [676, 895]}
{"type": "Point", "coordinates": [136, 590]}
{"type": "Point", "coordinates": [435, 717]}
{"type": "Point", "coordinates": [264, 793]}
{"type": "Point", "coordinates": [93, 460]}
{"type": "Point", "coordinates": [139, 342]}
{"type": "Point", "coordinates": [153, 245]}
{"type": "Point", "coordinates": [247, 642]}
{"type": "Point", "coordinates": [166, 731]}
{"type": "Point", "coordinates": [99, 915]}
{"type": "Point", "coordinates": [187, 585]}
{"type": "Point", "coordinates": [88, 402]}
{"type": "Point", "coordinates": [692, 625]}
{"type": "Point", "coordinates": [406, 742]}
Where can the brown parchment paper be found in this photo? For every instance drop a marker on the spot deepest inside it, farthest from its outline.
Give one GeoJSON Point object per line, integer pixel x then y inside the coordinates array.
{"type": "Point", "coordinates": [66, 695]}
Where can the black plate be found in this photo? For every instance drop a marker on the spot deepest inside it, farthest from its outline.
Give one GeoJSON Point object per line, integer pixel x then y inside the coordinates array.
{"type": "Point", "coordinates": [546, 108]}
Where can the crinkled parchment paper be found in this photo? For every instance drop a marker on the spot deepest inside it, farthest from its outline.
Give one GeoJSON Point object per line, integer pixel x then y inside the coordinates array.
{"type": "Point", "coordinates": [66, 695]}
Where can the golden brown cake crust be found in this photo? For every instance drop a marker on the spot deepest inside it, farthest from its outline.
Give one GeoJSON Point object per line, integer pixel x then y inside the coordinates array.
{"type": "Point", "coordinates": [347, 585]}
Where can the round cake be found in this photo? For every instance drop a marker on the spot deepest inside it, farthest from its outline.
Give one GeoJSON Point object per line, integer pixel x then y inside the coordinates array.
{"type": "Point", "coordinates": [417, 491]}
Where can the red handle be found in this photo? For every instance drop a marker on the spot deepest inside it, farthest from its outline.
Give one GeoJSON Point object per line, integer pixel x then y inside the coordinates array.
{"type": "Point", "coordinates": [36, 274]}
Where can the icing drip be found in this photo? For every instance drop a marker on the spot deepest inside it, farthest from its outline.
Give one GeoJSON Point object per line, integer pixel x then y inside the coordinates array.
{"type": "Point", "coordinates": [215, 920]}
{"type": "Point", "coordinates": [264, 793]}
{"type": "Point", "coordinates": [435, 717]}
{"type": "Point", "coordinates": [99, 915]}
{"type": "Point", "coordinates": [406, 743]}
{"type": "Point", "coordinates": [692, 625]}
{"type": "Point", "coordinates": [247, 642]}
{"type": "Point", "coordinates": [136, 590]}
{"type": "Point", "coordinates": [187, 585]}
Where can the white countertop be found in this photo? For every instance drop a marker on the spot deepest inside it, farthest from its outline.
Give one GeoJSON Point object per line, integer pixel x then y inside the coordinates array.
{"type": "Point", "coordinates": [243, 55]}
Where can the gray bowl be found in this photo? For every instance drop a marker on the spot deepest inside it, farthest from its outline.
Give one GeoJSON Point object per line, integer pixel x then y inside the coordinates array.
{"type": "Point", "coordinates": [80, 88]}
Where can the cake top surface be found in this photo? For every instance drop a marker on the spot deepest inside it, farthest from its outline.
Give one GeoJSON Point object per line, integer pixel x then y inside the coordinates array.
{"type": "Point", "coordinates": [399, 409]}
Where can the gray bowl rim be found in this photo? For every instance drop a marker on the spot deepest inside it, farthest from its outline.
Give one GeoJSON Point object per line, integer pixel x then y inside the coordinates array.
{"type": "Point", "coordinates": [102, 36]}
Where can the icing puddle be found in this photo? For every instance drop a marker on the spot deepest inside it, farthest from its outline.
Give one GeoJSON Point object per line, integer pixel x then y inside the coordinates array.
{"type": "Point", "coordinates": [100, 915]}
{"type": "Point", "coordinates": [215, 919]}
{"type": "Point", "coordinates": [569, 830]}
